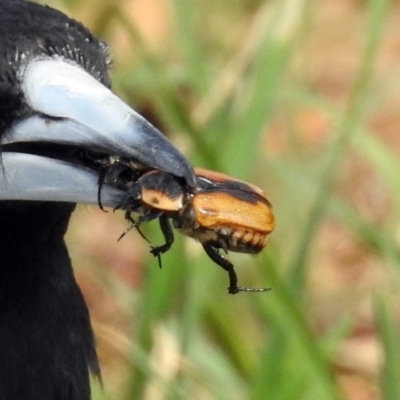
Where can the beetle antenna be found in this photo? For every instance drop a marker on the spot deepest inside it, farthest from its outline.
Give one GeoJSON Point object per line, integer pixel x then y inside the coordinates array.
{"type": "Point", "coordinates": [134, 224]}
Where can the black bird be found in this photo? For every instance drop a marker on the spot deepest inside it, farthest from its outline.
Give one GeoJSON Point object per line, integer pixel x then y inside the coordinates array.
{"type": "Point", "coordinates": [55, 109]}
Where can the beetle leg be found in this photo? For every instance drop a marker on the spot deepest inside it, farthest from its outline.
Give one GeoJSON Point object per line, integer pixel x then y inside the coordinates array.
{"type": "Point", "coordinates": [168, 233]}
{"type": "Point", "coordinates": [102, 177]}
{"type": "Point", "coordinates": [225, 264]}
{"type": "Point", "coordinates": [110, 172]}
{"type": "Point", "coordinates": [149, 216]}
{"type": "Point", "coordinates": [228, 266]}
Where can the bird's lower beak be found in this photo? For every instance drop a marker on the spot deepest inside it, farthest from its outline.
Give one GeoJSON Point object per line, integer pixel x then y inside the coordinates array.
{"type": "Point", "coordinates": [38, 178]}
{"type": "Point", "coordinates": [70, 108]}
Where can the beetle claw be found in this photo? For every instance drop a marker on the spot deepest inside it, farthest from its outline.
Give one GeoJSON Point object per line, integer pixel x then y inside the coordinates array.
{"type": "Point", "coordinates": [168, 236]}
{"type": "Point", "coordinates": [233, 289]}
{"type": "Point", "coordinates": [157, 251]}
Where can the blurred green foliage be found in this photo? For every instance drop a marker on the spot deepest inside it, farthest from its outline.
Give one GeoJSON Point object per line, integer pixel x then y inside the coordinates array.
{"type": "Point", "coordinates": [215, 85]}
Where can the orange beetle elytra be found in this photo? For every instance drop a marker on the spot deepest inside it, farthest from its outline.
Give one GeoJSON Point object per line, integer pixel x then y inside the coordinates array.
{"type": "Point", "coordinates": [227, 213]}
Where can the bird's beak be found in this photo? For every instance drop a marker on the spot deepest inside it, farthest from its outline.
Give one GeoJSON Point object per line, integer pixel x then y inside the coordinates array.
{"type": "Point", "coordinates": [70, 108]}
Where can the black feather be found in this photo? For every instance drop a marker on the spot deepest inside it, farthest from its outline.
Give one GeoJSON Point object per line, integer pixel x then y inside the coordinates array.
{"type": "Point", "coordinates": [29, 30]}
{"type": "Point", "coordinates": [47, 348]}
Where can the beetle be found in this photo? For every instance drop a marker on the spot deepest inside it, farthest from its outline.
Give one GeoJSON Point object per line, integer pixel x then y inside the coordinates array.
{"type": "Point", "coordinates": [221, 213]}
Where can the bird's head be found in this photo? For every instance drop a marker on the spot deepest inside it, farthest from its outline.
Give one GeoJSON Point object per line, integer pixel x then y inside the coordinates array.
{"type": "Point", "coordinates": [57, 112]}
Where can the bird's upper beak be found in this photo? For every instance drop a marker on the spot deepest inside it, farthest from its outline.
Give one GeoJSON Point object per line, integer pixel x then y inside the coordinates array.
{"type": "Point", "coordinates": [70, 108]}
